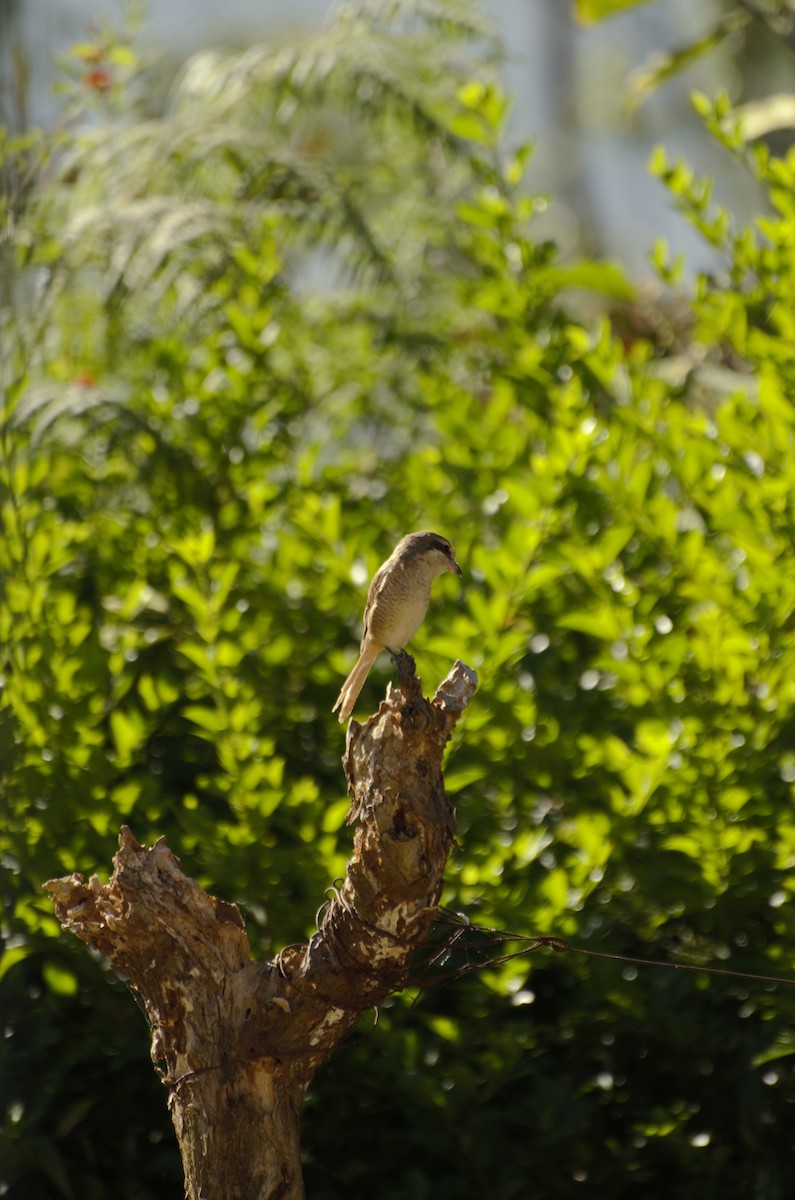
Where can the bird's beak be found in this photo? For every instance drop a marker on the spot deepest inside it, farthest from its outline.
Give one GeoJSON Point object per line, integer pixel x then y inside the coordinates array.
{"type": "Point", "coordinates": [454, 567]}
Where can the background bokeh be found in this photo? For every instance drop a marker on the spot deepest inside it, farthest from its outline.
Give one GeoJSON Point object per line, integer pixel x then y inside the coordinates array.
{"type": "Point", "coordinates": [261, 314]}
{"type": "Point", "coordinates": [570, 85]}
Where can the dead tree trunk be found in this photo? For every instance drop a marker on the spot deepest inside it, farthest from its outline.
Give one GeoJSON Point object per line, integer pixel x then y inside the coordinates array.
{"type": "Point", "coordinates": [236, 1042]}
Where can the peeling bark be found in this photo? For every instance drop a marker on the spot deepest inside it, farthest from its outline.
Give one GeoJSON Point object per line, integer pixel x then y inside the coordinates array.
{"type": "Point", "coordinates": [237, 1042]}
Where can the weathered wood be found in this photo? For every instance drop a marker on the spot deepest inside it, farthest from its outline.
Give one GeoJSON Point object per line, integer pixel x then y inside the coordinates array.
{"type": "Point", "coordinates": [237, 1042]}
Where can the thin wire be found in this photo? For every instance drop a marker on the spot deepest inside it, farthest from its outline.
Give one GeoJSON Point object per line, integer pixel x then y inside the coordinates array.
{"type": "Point", "coordinates": [674, 966]}
{"type": "Point", "coordinates": [561, 946]}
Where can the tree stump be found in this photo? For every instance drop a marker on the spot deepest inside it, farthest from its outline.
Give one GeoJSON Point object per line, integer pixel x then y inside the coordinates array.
{"type": "Point", "coordinates": [237, 1042]}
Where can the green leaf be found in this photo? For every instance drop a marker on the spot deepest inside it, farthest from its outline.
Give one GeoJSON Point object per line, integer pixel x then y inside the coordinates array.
{"type": "Point", "coordinates": [129, 731]}
{"type": "Point", "coordinates": [210, 720]}
{"type": "Point", "coordinates": [590, 11]}
{"type": "Point", "coordinates": [605, 624]}
{"type": "Point", "coordinates": [59, 979]}
{"type": "Point", "coordinates": [606, 278]}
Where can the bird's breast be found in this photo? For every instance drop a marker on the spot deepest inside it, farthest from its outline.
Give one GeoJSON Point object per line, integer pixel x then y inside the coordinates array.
{"type": "Point", "coordinates": [398, 615]}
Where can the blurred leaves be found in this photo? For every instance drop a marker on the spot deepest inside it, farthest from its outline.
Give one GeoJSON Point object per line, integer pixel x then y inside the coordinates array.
{"type": "Point", "coordinates": [248, 343]}
{"type": "Point", "coordinates": [663, 65]}
{"type": "Point", "coordinates": [760, 117]}
{"type": "Point", "coordinates": [589, 11]}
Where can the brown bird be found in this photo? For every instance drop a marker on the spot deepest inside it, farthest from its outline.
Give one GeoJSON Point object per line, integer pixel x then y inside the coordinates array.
{"type": "Point", "coordinates": [396, 604]}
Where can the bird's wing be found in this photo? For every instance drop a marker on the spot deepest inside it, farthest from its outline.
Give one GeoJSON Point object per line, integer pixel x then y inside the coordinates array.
{"type": "Point", "coordinates": [377, 585]}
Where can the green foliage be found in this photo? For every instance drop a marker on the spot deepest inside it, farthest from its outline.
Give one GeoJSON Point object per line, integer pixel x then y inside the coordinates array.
{"type": "Point", "coordinates": [589, 11]}
{"type": "Point", "coordinates": [663, 65]}
{"type": "Point", "coordinates": [731, 23]}
{"type": "Point", "coordinates": [249, 343]}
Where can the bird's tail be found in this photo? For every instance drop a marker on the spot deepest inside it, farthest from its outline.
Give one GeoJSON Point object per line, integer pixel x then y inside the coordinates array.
{"type": "Point", "coordinates": [349, 693]}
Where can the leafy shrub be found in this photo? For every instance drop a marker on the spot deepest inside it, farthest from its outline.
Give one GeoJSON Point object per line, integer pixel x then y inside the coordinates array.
{"type": "Point", "coordinates": [250, 342]}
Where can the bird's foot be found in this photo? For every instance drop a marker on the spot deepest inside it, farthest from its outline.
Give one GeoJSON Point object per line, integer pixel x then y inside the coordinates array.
{"type": "Point", "coordinates": [408, 682]}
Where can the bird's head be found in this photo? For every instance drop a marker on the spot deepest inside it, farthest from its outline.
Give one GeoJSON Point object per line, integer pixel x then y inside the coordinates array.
{"type": "Point", "coordinates": [436, 550]}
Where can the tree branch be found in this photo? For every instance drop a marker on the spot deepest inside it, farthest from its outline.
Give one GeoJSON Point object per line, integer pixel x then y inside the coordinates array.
{"type": "Point", "coordinates": [237, 1042]}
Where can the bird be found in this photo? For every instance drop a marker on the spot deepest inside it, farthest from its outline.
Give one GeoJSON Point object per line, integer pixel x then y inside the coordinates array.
{"type": "Point", "coordinates": [396, 604]}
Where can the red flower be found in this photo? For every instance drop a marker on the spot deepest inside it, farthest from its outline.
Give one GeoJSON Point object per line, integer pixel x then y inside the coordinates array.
{"type": "Point", "coordinates": [99, 80]}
